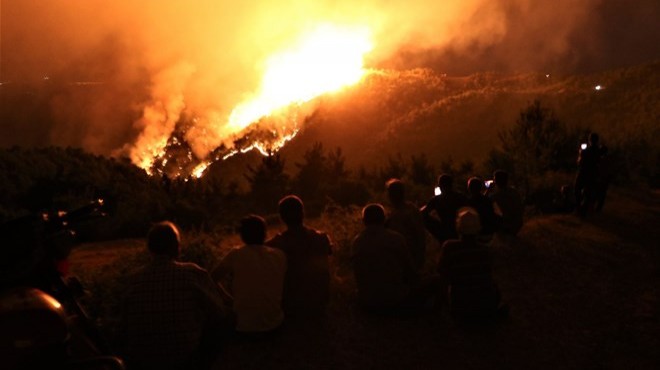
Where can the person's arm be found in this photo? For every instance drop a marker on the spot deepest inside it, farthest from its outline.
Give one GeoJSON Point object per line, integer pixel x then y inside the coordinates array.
{"type": "Point", "coordinates": [224, 268]}
{"type": "Point", "coordinates": [431, 223]}
{"type": "Point", "coordinates": [328, 243]}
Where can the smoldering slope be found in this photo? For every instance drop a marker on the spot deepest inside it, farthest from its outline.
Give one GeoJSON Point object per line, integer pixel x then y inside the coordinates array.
{"type": "Point", "coordinates": [153, 60]}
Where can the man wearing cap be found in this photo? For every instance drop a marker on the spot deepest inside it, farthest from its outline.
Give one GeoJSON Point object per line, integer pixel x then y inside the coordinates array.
{"type": "Point", "coordinates": [466, 267]}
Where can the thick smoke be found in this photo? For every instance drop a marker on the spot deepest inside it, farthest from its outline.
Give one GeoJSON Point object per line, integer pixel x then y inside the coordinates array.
{"type": "Point", "coordinates": [150, 61]}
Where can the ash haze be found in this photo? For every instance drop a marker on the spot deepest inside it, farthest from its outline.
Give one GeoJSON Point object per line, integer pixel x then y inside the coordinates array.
{"type": "Point", "coordinates": [143, 64]}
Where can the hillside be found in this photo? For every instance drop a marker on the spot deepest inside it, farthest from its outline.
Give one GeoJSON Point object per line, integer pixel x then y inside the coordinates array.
{"type": "Point", "coordinates": [423, 111]}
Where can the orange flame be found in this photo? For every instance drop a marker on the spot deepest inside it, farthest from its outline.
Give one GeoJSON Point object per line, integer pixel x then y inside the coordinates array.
{"type": "Point", "coordinates": [326, 60]}
{"type": "Point", "coordinates": [322, 61]}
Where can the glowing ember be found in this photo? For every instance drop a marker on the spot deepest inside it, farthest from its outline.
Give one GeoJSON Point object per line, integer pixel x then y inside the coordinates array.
{"type": "Point", "coordinates": [324, 61]}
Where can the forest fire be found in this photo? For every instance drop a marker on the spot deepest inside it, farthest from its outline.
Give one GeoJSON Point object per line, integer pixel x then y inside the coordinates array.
{"type": "Point", "coordinates": [322, 61]}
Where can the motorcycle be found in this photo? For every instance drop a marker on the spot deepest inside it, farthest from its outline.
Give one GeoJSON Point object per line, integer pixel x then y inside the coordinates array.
{"type": "Point", "coordinates": [43, 323]}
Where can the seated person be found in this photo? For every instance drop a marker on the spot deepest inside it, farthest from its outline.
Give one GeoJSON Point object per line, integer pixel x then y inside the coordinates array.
{"type": "Point", "coordinates": [307, 279]}
{"type": "Point", "coordinates": [384, 271]}
{"type": "Point", "coordinates": [256, 275]}
{"type": "Point", "coordinates": [405, 218]}
{"type": "Point", "coordinates": [465, 265]}
{"type": "Point", "coordinates": [169, 308]}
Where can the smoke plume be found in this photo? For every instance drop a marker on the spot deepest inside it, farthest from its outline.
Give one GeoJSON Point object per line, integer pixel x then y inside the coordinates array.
{"type": "Point", "coordinates": [148, 62]}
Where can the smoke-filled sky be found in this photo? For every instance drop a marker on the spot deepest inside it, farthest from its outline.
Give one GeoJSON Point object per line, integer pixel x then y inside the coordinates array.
{"type": "Point", "coordinates": [158, 59]}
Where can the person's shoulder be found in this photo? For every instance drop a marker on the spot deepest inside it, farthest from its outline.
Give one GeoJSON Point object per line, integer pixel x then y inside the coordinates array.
{"type": "Point", "coordinates": [275, 253]}
{"type": "Point", "coordinates": [317, 235]}
{"type": "Point", "coordinates": [450, 245]}
{"type": "Point", "coordinates": [276, 241]}
{"type": "Point", "coordinates": [395, 236]}
{"type": "Point", "coordinates": [189, 267]}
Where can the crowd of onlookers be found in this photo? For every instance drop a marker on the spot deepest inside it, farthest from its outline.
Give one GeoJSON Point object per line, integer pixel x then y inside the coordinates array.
{"type": "Point", "coordinates": [176, 314]}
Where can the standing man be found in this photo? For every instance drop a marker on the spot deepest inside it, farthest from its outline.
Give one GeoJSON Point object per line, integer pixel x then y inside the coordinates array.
{"type": "Point", "coordinates": [509, 202]}
{"type": "Point", "coordinates": [586, 180]}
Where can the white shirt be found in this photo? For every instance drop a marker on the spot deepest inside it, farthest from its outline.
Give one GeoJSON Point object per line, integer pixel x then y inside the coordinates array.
{"type": "Point", "coordinates": [258, 278]}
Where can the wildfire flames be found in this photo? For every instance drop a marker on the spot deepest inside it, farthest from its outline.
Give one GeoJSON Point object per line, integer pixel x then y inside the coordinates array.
{"type": "Point", "coordinates": [322, 61]}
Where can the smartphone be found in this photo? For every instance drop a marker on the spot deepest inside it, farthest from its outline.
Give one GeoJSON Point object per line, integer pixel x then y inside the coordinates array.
{"type": "Point", "coordinates": [488, 184]}
{"type": "Point", "coordinates": [437, 190]}
{"type": "Point", "coordinates": [583, 146]}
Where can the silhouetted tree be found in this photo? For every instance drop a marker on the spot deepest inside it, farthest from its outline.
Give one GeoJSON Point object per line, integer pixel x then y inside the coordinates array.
{"type": "Point", "coordinates": [538, 142]}
{"type": "Point", "coordinates": [421, 171]}
{"type": "Point", "coordinates": [268, 182]}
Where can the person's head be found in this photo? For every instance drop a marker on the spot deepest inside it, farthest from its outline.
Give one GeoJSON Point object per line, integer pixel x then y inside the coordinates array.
{"type": "Point", "coordinates": [501, 178]}
{"type": "Point", "coordinates": [593, 139]}
{"type": "Point", "coordinates": [475, 185]}
{"type": "Point", "coordinates": [163, 239]}
{"type": "Point", "coordinates": [467, 222]}
{"type": "Point", "coordinates": [252, 229]}
{"type": "Point", "coordinates": [292, 210]}
{"type": "Point", "coordinates": [396, 191]}
{"type": "Point", "coordinates": [373, 214]}
{"type": "Point", "coordinates": [445, 182]}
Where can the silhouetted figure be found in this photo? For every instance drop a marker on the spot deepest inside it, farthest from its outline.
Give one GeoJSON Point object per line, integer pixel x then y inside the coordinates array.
{"type": "Point", "coordinates": [386, 277]}
{"type": "Point", "coordinates": [306, 285]}
{"type": "Point", "coordinates": [466, 267]}
{"type": "Point", "coordinates": [405, 218]}
{"type": "Point", "coordinates": [565, 201]}
{"type": "Point", "coordinates": [603, 180]}
{"type": "Point", "coordinates": [509, 202]}
{"type": "Point", "coordinates": [586, 180]}
{"type": "Point", "coordinates": [445, 205]}
{"type": "Point", "coordinates": [173, 312]}
{"type": "Point", "coordinates": [256, 274]}
{"type": "Point", "coordinates": [490, 221]}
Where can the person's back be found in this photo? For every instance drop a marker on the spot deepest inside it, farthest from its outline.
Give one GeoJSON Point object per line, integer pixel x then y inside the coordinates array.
{"type": "Point", "coordinates": [445, 205]}
{"type": "Point", "coordinates": [166, 311]}
{"type": "Point", "coordinates": [509, 201]}
{"type": "Point", "coordinates": [257, 275]}
{"type": "Point", "coordinates": [490, 221]}
{"type": "Point", "coordinates": [406, 219]}
{"type": "Point", "coordinates": [306, 286]}
{"type": "Point", "coordinates": [307, 281]}
{"type": "Point", "coordinates": [466, 266]}
{"type": "Point", "coordinates": [383, 267]}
